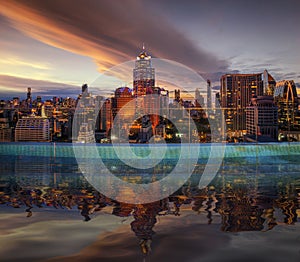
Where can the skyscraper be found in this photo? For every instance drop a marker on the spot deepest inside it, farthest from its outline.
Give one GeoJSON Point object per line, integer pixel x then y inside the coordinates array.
{"type": "Point", "coordinates": [28, 94]}
{"type": "Point", "coordinates": [106, 120]}
{"type": "Point", "coordinates": [235, 94]}
{"type": "Point", "coordinates": [285, 96]}
{"type": "Point", "coordinates": [199, 99]}
{"type": "Point", "coordinates": [148, 100]}
{"type": "Point", "coordinates": [123, 95]}
{"type": "Point", "coordinates": [208, 94]}
{"type": "Point", "coordinates": [84, 88]}
{"type": "Point", "coordinates": [262, 117]}
{"type": "Point", "coordinates": [143, 75]}
{"type": "Point", "coordinates": [177, 95]}
{"type": "Point", "coordinates": [269, 84]}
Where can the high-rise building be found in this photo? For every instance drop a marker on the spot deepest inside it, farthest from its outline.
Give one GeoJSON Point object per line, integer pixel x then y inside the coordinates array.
{"type": "Point", "coordinates": [123, 95]}
{"type": "Point", "coordinates": [177, 95]}
{"type": "Point", "coordinates": [262, 117]}
{"type": "Point", "coordinates": [235, 94]}
{"type": "Point", "coordinates": [218, 99]}
{"type": "Point", "coordinates": [143, 75]}
{"type": "Point", "coordinates": [269, 84]}
{"type": "Point", "coordinates": [106, 116]}
{"type": "Point", "coordinates": [33, 128]}
{"type": "Point", "coordinates": [208, 94]}
{"type": "Point", "coordinates": [145, 132]}
{"type": "Point", "coordinates": [28, 94]}
{"type": "Point", "coordinates": [5, 130]}
{"type": "Point", "coordinates": [149, 98]}
{"type": "Point", "coordinates": [164, 102]}
{"type": "Point", "coordinates": [84, 88]}
{"type": "Point", "coordinates": [199, 99]}
{"type": "Point", "coordinates": [285, 96]}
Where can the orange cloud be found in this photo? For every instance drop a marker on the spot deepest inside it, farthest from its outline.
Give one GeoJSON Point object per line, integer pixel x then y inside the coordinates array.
{"type": "Point", "coordinates": [37, 26]}
{"type": "Point", "coordinates": [107, 31]}
{"type": "Point", "coordinates": [20, 62]}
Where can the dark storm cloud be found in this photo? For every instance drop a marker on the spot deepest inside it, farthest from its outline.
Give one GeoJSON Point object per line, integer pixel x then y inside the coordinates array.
{"type": "Point", "coordinates": [108, 31]}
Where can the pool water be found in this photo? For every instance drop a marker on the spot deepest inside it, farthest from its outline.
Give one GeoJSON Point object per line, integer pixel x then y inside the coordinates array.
{"type": "Point", "coordinates": [250, 210]}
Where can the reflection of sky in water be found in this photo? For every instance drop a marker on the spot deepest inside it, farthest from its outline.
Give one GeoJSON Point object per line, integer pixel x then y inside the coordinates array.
{"type": "Point", "coordinates": [254, 196]}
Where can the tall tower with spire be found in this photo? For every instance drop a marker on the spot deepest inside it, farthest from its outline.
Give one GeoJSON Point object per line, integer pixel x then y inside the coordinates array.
{"type": "Point", "coordinates": [143, 75]}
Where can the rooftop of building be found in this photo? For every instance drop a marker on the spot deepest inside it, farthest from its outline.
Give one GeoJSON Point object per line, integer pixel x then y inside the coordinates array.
{"type": "Point", "coordinates": [143, 54]}
{"type": "Point", "coordinates": [227, 75]}
{"type": "Point", "coordinates": [259, 100]}
{"type": "Point", "coordinates": [271, 78]}
{"type": "Point", "coordinates": [123, 89]}
{"type": "Point", "coordinates": [284, 87]}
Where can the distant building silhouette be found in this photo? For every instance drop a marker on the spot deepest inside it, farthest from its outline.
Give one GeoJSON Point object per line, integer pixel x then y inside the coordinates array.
{"type": "Point", "coordinates": [209, 104]}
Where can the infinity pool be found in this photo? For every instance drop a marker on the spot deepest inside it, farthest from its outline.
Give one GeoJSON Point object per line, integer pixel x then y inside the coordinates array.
{"type": "Point", "coordinates": [248, 211]}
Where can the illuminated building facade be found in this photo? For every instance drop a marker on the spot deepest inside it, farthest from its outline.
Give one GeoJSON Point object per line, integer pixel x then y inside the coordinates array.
{"type": "Point", "coordinates": [262, 117]}
{"type": "Point", "coordinates": [269, 84]}
{"type": "Point", "coordinates": [148, 100]}
{"type": "Point", "coordinates": [143, 75]}
{"type": "Point", "coordinates": [285, 96]}
{"type": "Point", "coordinates": [155, 99]}
{"type": "Point", "coordinates": [7, 118]}
{"type": "Point", "coordinates": [106, 116]}
{"type": "Point", "coordinates": [33, 128]}
{"type": "Point", "coordinates": [123, 95]}
{"type": "Point", "coordinates": [143, 85]}
{"type": "Point", "coordinates": [235, 95]}
{"type": "Point", "coordinates": [5, 130]}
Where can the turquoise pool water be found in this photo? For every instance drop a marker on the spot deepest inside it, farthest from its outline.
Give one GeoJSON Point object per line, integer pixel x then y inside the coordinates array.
{"type": "Point", "coordinates": [107, 151]}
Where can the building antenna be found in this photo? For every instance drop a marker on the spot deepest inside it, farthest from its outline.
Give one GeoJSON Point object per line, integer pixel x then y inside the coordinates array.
{"type": "Point", "coordinates": [143, 46]}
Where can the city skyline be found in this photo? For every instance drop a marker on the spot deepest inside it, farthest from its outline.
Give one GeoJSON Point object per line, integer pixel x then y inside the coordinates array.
{"type": "Point", "coordinates": [54, 47]}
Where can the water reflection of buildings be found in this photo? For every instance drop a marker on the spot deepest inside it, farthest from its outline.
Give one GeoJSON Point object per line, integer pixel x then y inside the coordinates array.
{"type": "Point", "coordinates": [237, 206]}
{"type": "Point", "coordinates": [32, 174]}
{"type": "Point", "coordinates": [144, 220]}
{"type": "Point", "coordinates": [45, 172]}
{"type": "Point", "coordinates": [248, 194]}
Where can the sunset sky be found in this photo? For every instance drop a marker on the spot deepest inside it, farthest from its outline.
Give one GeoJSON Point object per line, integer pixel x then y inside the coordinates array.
{"type": "Point", "coordinates": [56, 46]}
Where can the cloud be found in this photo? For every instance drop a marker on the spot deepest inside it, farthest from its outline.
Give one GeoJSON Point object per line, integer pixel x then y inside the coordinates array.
{"type": "Point", "coordinates": [19, 62]}
{"type": "Point", "coordinates": [108, 31]}
{"type": "Point", "coordinates": [17, 87]}
{"type": "Point", "coordinates": [215, 76]}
